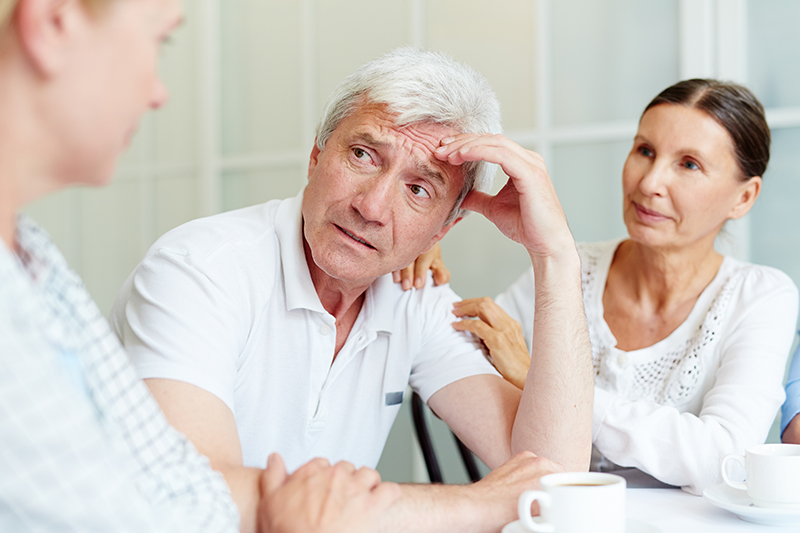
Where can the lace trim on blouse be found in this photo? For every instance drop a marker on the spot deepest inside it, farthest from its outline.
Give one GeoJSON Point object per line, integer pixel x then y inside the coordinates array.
{"type": "Point", "coordinates": [671, 378]}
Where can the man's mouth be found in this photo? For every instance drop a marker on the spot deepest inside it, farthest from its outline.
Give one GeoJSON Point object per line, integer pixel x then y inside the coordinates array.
{"type": "Point", "coordinates": [354, 237]}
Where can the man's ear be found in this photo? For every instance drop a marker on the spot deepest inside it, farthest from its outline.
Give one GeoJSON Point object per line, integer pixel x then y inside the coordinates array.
{"type": "Point", "coordinates": [748, 195]}
{"type": "Point", "coordinates": [439, 236]}
{"type": "Point", "coordinates": [313, 158]}
{"type": "Point", "coordinates": [44, 29]}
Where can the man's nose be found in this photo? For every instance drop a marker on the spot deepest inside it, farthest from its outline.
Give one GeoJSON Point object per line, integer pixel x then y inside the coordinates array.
{"type": "Point", "coordinates": [374, 200]}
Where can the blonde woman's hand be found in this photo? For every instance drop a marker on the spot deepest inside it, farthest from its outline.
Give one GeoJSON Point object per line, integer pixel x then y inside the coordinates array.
{"type": "Point", "coordinates": [501, 334]}
{"type": "Point", "coordinates": [414, 274]}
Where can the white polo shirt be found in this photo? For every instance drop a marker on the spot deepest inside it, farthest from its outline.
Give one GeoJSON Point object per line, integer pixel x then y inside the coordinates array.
{"type": "Point", "coordinates": [226, 303]}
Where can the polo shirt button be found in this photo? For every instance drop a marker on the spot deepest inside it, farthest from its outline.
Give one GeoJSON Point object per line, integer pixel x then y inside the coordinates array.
{"type": "Point", "coordinates": [622, 359]}
{"type": "Point", "coordinates": [325, 329]}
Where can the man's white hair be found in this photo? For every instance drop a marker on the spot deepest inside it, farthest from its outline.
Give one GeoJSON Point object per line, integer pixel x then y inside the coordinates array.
{"type": "Point", "coordinates": [422, 87]}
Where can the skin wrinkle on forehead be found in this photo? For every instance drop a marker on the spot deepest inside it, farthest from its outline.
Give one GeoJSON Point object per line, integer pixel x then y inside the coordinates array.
{"type": "Point", "coordinates": [410, 134]}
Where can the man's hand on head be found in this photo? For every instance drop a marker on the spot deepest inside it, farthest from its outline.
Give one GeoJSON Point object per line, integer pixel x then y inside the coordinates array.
{"type": "Point", "coordinates": [526, 209]}
{"type": "Point", "coordinates": [320, 498]}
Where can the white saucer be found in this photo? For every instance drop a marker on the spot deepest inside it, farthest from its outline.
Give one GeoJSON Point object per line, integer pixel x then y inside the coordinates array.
{"type": "Point", "coordinates": [631, 526]}
{"type": "Point", "coordinates": [738, 502]}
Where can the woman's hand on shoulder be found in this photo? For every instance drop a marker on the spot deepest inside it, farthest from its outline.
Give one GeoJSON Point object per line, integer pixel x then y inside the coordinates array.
{"type": "Point", "coordinates": [501, 334]}
{"type": "Point", "coordinates": [414, 274]}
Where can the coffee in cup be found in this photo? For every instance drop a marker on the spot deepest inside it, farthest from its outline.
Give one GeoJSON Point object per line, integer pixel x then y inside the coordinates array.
{"type": "Point", "coordinates": [772, 474]}
{"type": "Point", "coordinates": [576, 502]}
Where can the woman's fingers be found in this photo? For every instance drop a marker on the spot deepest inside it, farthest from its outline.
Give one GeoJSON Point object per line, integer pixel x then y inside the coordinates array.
{"type": "Point", "coordinates": [484, 308]}
{"type": "Point", "coordinates": [414, 275]}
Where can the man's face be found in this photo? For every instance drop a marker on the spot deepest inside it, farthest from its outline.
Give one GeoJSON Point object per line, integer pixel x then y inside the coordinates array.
{"type": "Point", "coordinates": [376, 196]}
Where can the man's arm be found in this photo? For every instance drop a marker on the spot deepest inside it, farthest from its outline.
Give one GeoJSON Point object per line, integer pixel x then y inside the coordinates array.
{"type": "Point", "coordinates": [554, 417]}
{"type": "Point", "coordinates": [483, 507]}
{"type": "Point", "coordinates": [210, 425]}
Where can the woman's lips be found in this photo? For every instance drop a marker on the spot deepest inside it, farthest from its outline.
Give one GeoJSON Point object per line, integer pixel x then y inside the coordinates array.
{"type": "Point", "coordinates": [648, 215]}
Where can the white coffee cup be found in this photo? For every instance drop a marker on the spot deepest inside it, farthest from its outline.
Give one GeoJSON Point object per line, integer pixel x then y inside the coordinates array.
{"type": "Point", "coordinates": [576, 502]}
{"type": "Point", "coordinates": [772, 474]}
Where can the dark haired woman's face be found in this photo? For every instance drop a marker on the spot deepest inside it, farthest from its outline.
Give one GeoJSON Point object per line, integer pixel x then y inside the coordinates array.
{"type": "Point", "coordinates": [680, 181]}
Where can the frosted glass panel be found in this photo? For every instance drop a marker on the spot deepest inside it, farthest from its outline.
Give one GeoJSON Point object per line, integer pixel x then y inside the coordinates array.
{"type": "Point", "coordinates": [776, 216]}
{"type": "Point", "coordinates": [774, 51]}
{"type": "Point", "coordinates": [611, 58]}
{"type": "Point", "coordinates": [111, 226]}
{"type": "Point", "coordinates": [497, 39]}
{"type": "Point", "coordinates": [240, 189]}
{"type": "Point", "coordinates": [588, 181]}
{"type": "Point", "coordinates": [175, 201]}
{"type": "Point", "coordinates": [56, 214]}
{"type": "Point", "coordinates": [352, 32]}
{"type": "Point", "coordinates": [261, 76]}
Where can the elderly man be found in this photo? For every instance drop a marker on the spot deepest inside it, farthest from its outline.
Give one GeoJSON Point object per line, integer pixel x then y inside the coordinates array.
{"type": "Point", "coordinates": [277, 328]}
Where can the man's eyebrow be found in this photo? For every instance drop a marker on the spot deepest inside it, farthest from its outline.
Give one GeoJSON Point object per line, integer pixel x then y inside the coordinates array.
{"type": "Point", "coordinates": [422, 167]}
{"type": "Point", "coordinates": [367, 138]}
{"type": "Point", "coordinates": [430, 173]}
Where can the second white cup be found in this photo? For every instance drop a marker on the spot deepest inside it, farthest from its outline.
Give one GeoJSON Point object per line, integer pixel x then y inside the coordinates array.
{"type": "Point", "coordinates": [576, 502]}
{"type": "Point", "coordinates": [773, 474]}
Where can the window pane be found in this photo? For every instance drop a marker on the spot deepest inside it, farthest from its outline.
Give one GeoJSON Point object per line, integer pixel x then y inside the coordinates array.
{"type": "Point", "coordinates": [588, 181]}
{"type": "Point", "coordinates": [261, 73]}
{"type": "Point", "coordinates": [775, 216]}
{"type": "Point", "coordinates": [250, 187]}
{"type": "Point", "coordinates": [774, 51]}
{"type": "Point", "coordinates": [611, 58]}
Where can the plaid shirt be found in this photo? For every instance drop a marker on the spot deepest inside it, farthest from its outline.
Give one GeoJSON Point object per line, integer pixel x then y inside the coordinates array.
{"type": "Point", "coordinates": [83, 444]}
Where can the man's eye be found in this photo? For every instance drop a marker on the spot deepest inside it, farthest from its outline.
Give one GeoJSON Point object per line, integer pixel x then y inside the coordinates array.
{"type": "Point", "coordinates": [360, 153]}
{"type": "Point", "coordinates": [419, 191]}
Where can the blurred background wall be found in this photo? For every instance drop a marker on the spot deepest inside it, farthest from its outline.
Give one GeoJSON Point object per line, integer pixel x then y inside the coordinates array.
{"type": "Point", "coordinates": [248, 79]}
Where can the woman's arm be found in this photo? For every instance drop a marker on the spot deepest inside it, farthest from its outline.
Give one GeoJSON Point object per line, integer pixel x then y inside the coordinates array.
{"type": "Point", "coordinates": [683, 449]}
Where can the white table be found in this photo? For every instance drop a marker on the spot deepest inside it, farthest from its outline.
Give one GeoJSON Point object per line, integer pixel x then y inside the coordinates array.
{"type": "Point", "coordinates": [673, 510]}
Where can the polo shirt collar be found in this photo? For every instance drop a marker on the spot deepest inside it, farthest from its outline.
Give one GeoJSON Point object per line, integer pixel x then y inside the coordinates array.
{"type": "Point", "coordinates": [381, 296]}
{"type": "Point", "coordinates": [300, 292]}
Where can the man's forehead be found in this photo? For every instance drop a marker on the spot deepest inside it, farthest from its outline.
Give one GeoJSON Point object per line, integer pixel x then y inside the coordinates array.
{"type": "Point", "coordinates": [378, 130]}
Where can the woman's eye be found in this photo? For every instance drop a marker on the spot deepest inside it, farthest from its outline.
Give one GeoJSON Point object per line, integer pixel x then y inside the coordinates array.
{"type": "Point", "coordinates": [690, 165]}
{"type": "Point", "coordinates": [419, 191]}
{"type": "Point", "coordinates": [645, 151]}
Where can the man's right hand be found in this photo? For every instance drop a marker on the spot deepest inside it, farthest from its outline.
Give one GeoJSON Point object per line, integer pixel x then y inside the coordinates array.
{"type": "Point", "coordinates": [320, 498]}
{"type": "Point", "coordinates": [502, 486]}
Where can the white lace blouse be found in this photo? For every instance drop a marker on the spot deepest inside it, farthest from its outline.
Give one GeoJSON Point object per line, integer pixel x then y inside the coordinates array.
{"type": "Point", "coordinates": [712, 387]}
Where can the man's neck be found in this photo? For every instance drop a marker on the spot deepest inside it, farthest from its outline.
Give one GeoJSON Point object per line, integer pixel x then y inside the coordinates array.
{"type": "Point", "coordinates": [341, 299]}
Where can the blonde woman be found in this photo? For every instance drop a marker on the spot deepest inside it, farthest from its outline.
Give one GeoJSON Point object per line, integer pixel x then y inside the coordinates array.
{"type": "Point", "coordinates": [84, 445]}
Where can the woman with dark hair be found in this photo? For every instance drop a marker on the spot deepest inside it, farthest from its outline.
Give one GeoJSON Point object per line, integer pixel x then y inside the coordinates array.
{"type": "Point", "coordinates": [689, 346]}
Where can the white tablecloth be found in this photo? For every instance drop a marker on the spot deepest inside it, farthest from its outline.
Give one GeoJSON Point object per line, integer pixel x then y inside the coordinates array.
{"type": "Point", "coordinates": [673, 510]}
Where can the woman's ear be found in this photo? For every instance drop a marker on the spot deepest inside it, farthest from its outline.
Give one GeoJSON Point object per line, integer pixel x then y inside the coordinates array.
{"type": "Point", "coordinates": [44, 29]}
{"type": "Point", "coordinates": [747, 197]}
